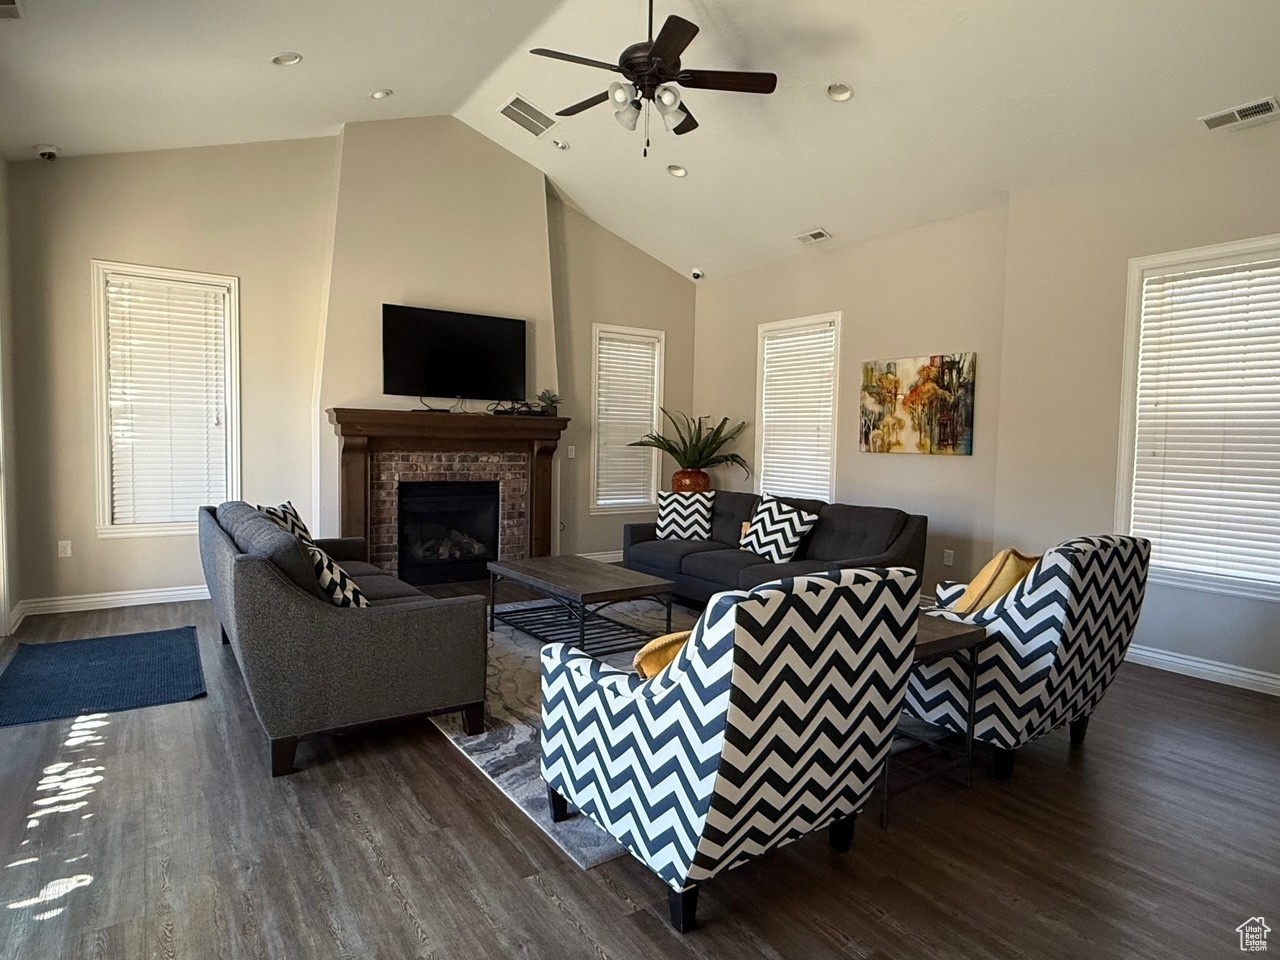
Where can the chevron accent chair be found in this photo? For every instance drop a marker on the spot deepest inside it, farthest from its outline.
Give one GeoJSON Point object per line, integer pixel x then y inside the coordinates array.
{"type": "Point", "coordinates": [1056, 641]}
{"type": "Point", "coordinates": [773, 721]}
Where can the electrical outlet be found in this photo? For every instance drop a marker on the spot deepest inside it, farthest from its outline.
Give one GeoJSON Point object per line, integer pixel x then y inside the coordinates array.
{"type": "Point", "coordinates": [571, 452]}
{"type": "Point", "coordinates": [64, 549]}
{"type": "Point", "coordinates": [948, 557]}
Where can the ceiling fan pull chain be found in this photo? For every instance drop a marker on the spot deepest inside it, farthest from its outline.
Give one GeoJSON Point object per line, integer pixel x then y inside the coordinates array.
{"type": "Point", "coordinates": [646, 130]}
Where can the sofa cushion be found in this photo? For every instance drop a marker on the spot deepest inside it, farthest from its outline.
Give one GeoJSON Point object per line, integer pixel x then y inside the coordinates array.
{"type": "Point", "coordinates": [685, 516]}
{"type": "Point", "coordinates": [664, 557]}
{"type": "Point", "coordinates": [253, 533]}
{"type": "Point", "coordinates": [847, 532]}
{"type": "Point", "coordinates": [751, 577]}
{"type": "Point", "coordinates": [777, 529]}
{"type": "Point", "coordinates": [728, 513]}
{"type": "Point", "coordinates": [382, 586]}
{"type": "Point", "coordinates": [358, 568]}
{"type": "Point", "coordinates": [338, 586]}
{"type": "Point", "coordinates": [720, 566]}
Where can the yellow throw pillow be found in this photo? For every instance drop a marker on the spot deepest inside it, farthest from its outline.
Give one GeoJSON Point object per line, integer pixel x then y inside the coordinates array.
{"type": "Point", "coordinates": [653, 657]}
{"type": "Point", "coordinates": [1005, 570]}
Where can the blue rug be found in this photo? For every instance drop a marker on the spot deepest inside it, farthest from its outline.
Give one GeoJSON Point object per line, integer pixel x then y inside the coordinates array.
{"type": "Point", "coordinates": [49, 681]}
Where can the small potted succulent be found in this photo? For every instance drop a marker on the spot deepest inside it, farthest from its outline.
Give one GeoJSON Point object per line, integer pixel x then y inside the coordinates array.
{"type": "Point", "coordinates": [695, 448]}
{"type": "Point", "coordinates": [549, 400]}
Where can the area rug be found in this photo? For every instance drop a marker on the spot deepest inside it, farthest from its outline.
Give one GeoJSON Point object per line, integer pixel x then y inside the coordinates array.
{"type": "Point", "coordinates": [50, 681]}
{"type": "Point", "coordinates": [507, 752]}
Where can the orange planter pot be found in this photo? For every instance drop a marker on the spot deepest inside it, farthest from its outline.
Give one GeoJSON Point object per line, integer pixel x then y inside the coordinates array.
{"type": "Point", "coordinates": [690, 481]}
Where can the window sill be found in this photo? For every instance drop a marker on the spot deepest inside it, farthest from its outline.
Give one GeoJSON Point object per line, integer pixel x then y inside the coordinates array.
{"type": "Point", "coordinates": [629, 508]}
{"type": "Point", "coordinates": [1213, 583]}
{"type": "Point", "coordinates": [139, 530]}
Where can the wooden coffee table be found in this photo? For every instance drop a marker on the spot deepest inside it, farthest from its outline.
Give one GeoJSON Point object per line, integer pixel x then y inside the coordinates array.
{"type": "Point", "coordinates": [937, 637]}
{"type": "Point", "coordinates": [580, 589]}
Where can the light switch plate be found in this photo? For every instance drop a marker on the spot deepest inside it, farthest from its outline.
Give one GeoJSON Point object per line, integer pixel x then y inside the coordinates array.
{"type": "Point", "coordinates": [948, 557]}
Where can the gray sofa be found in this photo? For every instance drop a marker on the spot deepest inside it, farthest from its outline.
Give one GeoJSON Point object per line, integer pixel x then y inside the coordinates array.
{"type": "Point", "coordinates": [844, 536]}
{"type": "Point", "coordinates": [313, 668]}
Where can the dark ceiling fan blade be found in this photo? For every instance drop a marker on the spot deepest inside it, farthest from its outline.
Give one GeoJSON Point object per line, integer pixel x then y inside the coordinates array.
{"type": "Point", "coordinates": [676, 34]}
{"type": "Point", "coordinates": [572, 58]}
{"type": "Point", "coordinates": [731, 80]}
{"type": "Point", "coordinates": [688, 124]}
{"type": "Point", "coordinates": [586, 104]}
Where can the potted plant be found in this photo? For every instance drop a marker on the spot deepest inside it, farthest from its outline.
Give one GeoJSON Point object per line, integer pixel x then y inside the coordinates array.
{"type": "Point", "coordinates": [694, 448]}
{"type": "Point", "coordinates": [549, 400]}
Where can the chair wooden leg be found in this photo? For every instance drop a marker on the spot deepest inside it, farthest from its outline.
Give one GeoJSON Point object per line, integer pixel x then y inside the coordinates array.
{"type": "Point", "coordinates": [282, 753]}
{"type": "Point", "coordinates": [559, 805]}
{"type": "Point", "coordinates": [684, 909]}
{"type": "Point", "coordinates": [841, 833]}
{"type": "Point", "coordinates": [225, 639]}
{"type": "Point", "coordinates": [1003, 768]}
{"type": "Point", "coordinates": [1078, 729]}
{"type": "Point", "coordinates": [473, 719]}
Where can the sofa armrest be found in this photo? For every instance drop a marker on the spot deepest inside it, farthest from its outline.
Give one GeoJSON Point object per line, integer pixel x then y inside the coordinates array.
{"type": "Point", "coordinates": [633, 533]}
{"type": "Point", "coordinates": [344, 548]}
{"type": "Point", "coordinates": [310, 666]}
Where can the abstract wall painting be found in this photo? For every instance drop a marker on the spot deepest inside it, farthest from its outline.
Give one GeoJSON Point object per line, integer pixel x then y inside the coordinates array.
{"type": "Point", "coordinates": [918, 405]}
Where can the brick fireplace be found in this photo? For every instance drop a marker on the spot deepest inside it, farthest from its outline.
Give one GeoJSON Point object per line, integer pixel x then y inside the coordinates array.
{"type": "Point", "coordinates": [383, 449]}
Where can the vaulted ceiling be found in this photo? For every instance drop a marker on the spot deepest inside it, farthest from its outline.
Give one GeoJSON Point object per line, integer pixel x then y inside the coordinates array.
{"type": "Point", "coordinates": [957, 101]}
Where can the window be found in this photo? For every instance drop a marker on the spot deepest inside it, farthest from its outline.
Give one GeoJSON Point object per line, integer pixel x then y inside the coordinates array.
{"type": "Point", "coordinates": [1200, 454]}
{"type": "Point", "coordinates": [167, 397]}
{"type": "Point", "coordinates": [628, 393]}
{"type": "Point", "coordinates": [798, 369]}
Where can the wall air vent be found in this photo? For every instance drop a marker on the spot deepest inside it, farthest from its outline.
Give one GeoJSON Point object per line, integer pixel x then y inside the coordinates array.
{"type": "Point", "coordinates": [9, 10]}
{"type": "Point", "coordinates": [813, 236]}
{"type": "Point", "coordinates": [1247, 115]}
{"type": "Point", "coordinates": [521, 111]}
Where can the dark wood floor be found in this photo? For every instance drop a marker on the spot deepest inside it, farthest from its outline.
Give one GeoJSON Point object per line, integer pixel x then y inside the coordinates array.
{"type": "Point", "coordinates": [1156, 840]}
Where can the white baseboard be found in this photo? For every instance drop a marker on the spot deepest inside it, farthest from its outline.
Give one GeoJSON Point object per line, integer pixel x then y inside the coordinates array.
{"type": "Point", "coordinates": [102, 601]}
{"type": "Point", "coordinates": [1213, 670]}
{"type": "Point", "coordinates": [609, 556]}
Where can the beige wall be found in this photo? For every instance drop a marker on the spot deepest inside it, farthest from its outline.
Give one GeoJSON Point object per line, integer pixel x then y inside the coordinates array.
{"type": "Point", "coordinates": [600, 278]}
{"type": "Point", "coordinates": [8, 489]}
{"type": "Point", "coordinates": [432, 214]}
{"type": "Point", "coordinates": [256, 211]}
{"type": "Point", "coordinates": [1070, 244]}
{"type": "Point", "coordinates": [935, 289]}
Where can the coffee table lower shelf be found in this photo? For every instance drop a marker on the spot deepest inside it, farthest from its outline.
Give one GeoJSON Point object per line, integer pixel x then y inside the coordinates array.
{"type": "Point", "coordinates": [585, 627]}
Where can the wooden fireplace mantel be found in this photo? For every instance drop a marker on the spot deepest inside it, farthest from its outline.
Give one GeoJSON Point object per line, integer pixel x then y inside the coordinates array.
{"type": "Point", "coordinates": [362, 433]}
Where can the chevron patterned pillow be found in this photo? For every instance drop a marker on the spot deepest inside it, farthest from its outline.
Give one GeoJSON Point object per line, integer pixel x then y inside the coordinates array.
{"type": "Point", "coordinates": [685, 516]}
{"type": "Point", "coordinates": [777, 529]}
{"type": "Point", "coordinates": [335, 583]}
{"type": "Point", "coordinates": [287, 518]}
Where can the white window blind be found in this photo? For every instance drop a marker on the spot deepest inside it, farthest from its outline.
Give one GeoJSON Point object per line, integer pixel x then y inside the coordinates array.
{"type": "Point", "coordinates": [1206, 454]}
{"type": "Point", "coordinates": [628, 394]}
{"type": "Point", "coordinates": [167, 373]}
{"type": "Point", "coordinates": [797, 407]}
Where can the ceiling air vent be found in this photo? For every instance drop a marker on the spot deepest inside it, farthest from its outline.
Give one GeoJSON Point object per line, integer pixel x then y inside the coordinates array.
{"type": "Point", "coordinates": [9, 10]}
{"type": "Point", "coordinates": [813, 236]}
{"type": "Point", "coordinates": [521, 111]}
{"type": "Point", "coordinates": [1248, 115]}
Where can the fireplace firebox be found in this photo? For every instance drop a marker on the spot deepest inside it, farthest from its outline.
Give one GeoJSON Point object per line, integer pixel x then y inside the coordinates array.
{"type": "Point", "coordinates": [448, 530]}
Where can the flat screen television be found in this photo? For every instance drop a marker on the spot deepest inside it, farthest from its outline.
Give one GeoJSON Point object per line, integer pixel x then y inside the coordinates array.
{"type": "Point", "coordinates": [436, 353]}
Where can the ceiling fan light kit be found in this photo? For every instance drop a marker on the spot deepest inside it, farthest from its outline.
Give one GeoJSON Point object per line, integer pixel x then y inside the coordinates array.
{"type": "Point", "coordinates": [651, 69]}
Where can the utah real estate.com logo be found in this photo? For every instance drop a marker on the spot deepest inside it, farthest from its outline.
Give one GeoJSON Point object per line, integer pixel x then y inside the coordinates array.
{"type": "Point", "coordinates": [1253, 935]}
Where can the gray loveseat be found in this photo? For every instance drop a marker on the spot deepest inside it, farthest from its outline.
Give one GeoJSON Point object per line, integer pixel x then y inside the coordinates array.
{"type": "Point", "coordinates": [313, 668]}
{"type": "Point", "coordinates": [844, 536]}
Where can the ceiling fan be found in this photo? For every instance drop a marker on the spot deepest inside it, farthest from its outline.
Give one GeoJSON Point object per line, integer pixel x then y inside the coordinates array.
{"type": "Point", "coordinates": [652, 69]}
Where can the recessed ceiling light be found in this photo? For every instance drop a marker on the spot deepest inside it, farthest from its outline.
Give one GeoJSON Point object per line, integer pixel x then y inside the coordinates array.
{"type": "Point", "coordinates": [560, 144]}
{"type": "Point", "coordinates": [286, 59]}
{"type": "Point", "coordinates": [677, 171]}
{"type": "Point", "coordinates": [381, 94]}
{"type": "Point", "coordinates": [840, 92]}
